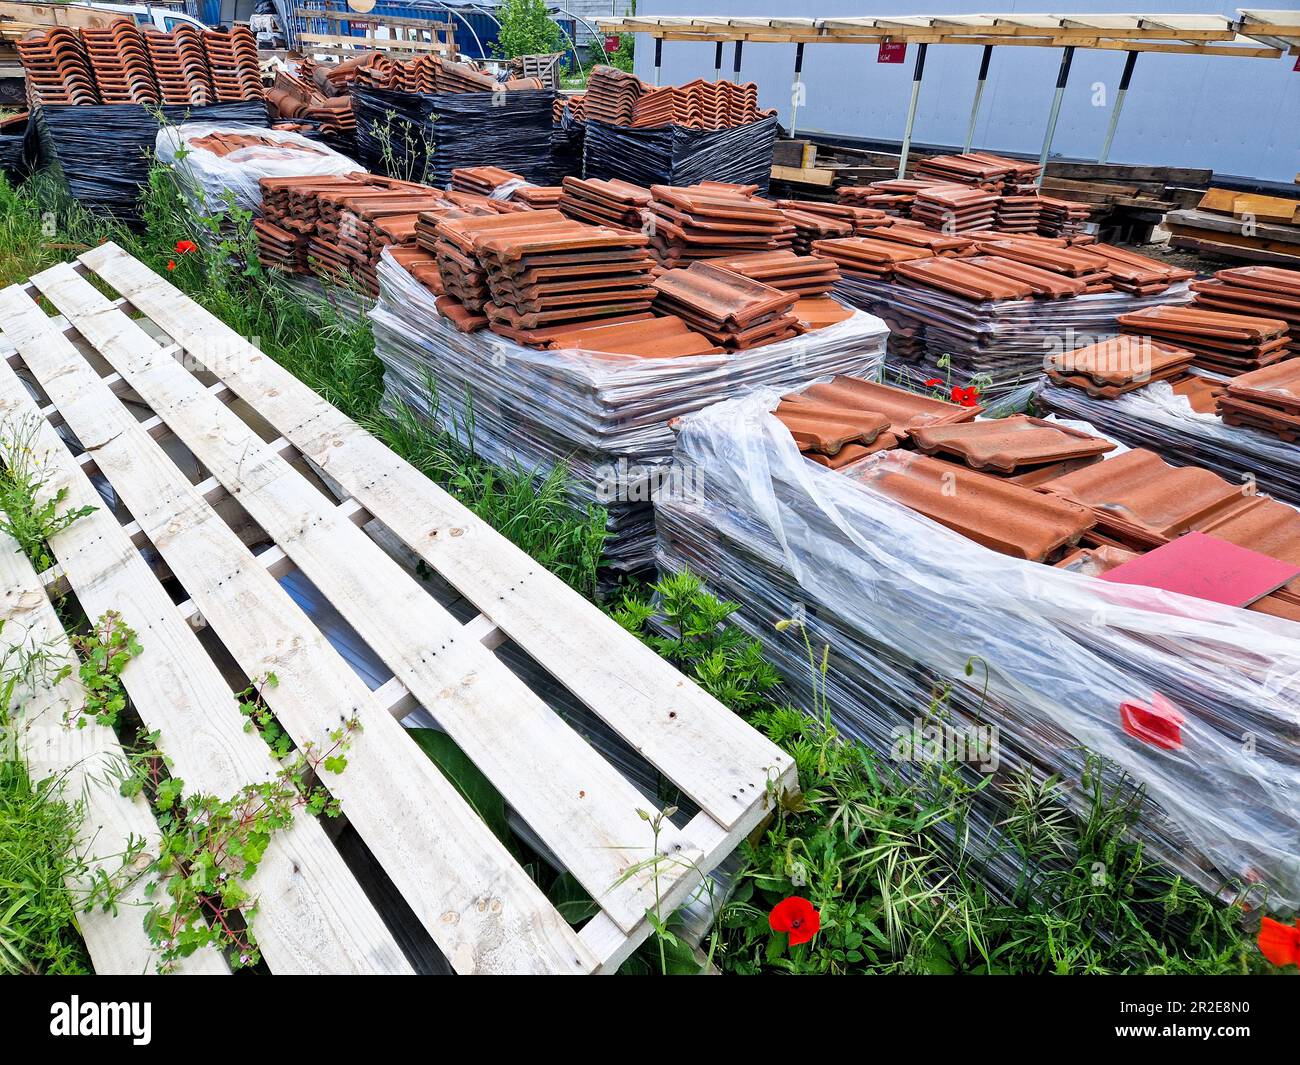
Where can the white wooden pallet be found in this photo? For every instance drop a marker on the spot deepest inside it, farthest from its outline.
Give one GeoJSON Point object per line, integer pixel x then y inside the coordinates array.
{"type": "Point", "coordinates": [268, 450]}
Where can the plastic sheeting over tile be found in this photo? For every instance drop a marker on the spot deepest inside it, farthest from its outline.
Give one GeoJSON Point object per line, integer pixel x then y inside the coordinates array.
{"type": "Point", "coordinates": [906, 604]}
{"type": "Point", "coordinates": [604, 416]}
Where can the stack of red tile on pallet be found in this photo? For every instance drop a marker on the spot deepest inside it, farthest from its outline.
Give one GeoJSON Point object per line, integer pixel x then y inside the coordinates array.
{"type": "Point", "coordinates": [232, 59]}
{"type": "Point", "coordinates": [1061, 218]}
{"type": "Point", "coordinates": [881, 248]}
{"type": "Point", "coordinates": [893, 196]}
{"type": "Point", "coordinates": [337, 227]}
{"type": "Point", "coordinates": [1140, 502]}
{"type": "Point", "coordinates": [120, 63]}
{"type": "Point", "coordinates": [1117, 366]}
{"type": "Point", "coordinates": [621, 99]}
{"type": "Point", "coordinates": [954, 209]}
{"type": "Point", "coordinates": [561, 273]}
{"type": "Point", "coordinates": [810, 277]}
{"type": "Point", "coordinates": [180, 65]}
{"type": "Point", "coordinates": [485, 180]}
{"type": "Point", "coordinates": [1266, 399]}
{"type": "Point", "coordinates": [1268, 291]}
{"type": "Point", "coordinates": [994, 173]}
{"type": "Point", "coordinates": [730, 309]}
{"type": "Point", "coordinates": [860, 219]}
{"type": "Point", "coordinates": [1229, 344]}
{"type": "Point", "coordinates": [57, 68]}
{"type": "Point", "coordinates": [710, 219]}
{"type": "Point", "coordinates": [615, 203]}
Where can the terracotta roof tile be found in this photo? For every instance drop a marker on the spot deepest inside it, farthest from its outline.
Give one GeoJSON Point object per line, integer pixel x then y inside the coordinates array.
{"type": "Point", "coordinates": [1008, 444]}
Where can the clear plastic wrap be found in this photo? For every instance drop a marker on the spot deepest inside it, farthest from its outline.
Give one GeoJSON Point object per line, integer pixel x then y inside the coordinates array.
{"type": "Point", "coordinates": [1000, 344]}
{"type": "Point", "coordinates": [905, 604]}
{"type": "Point", "coordinates": [211, 175]}
{"type": "Point", "coordinates": [1154, 417]}
{"type": "Point", "coordinates": [603, 416]}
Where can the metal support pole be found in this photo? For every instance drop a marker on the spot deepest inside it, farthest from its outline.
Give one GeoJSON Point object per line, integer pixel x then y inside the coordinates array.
{"type": "Point", "coordinates": [1124, 79]}
{"type": "Point", "coordinates": [979, 92]}
{"type": "Point", "coordinates": [735, 64]}
{"type": "Point", "coordinates": [796, 90]}
{"type": "Point", "coordinates": [717, 61]}
{"type": "Point", "coordinates": [659, 57]}
{"type": "Point", "coordinates": [917, 73]}
{"type": "Point", "coordinates": [1062, 76]}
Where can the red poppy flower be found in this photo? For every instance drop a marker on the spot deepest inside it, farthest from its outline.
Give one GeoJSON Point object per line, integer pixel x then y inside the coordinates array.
{"type": "Point", "coordinates": [184, 247]}
{"type": "Point", "coordinates": [967, 397]}
{"type": "Point", "coordinates": [796, 916]}
{"type": "Point", "coordinates": [171, 264]}
{"type": "Point", "coordinates": [933, 382]}
{"type": "Point", "coordinates": [1278, 942]}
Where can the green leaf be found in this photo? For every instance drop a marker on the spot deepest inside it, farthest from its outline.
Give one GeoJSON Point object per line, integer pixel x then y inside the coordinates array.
{"type": "Point", "coordinates": [466, 777]}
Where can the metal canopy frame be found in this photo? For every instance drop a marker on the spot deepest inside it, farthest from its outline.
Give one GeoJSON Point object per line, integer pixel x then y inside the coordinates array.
{"type": "Point", "coordinates": [1253, 34]}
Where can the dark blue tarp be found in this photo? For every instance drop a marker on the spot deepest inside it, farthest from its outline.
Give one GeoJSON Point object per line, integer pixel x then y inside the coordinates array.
{"type": "Point", "coordinates": [678, 155]}
{"type": "Point", "coordinates": [424, 136]}
{"type": "Point", "coordinates": [105, 151]}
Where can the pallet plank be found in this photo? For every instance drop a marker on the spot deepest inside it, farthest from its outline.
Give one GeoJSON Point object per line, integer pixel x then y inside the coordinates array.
{"type": "Point", "coordinates": [577, 802]}
{"type": "Point", "coordinates": [436, 850]}
{"type": "Point", "coordinates": [708, 752]}
{"type": "Point", "coordinates": [85, 761]}
{"type": "Point", "coordinates": [313, 917]}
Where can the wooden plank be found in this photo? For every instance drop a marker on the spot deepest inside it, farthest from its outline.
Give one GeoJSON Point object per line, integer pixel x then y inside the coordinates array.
{"type": "Point", "coordinates": [313, 917]}
{"type": "Point", "coordinates": [436, 850]}
{"type": "Point", "coordinates": [798, 175]}
{"type": "Point", "coordinates": [1197, 219]}
{"type": "Point", "coordinates": [1239, 204]}
{"type": "Point", "coordinates": [1232, 251]}
{"type": "Point", "coordinates": [86, 763]}
{"type": "Point", "coordinates": [312, 41]}
{"type": "Point", "coordinates": [585, 810]}
{"type": "Point", "coordinates": [701, 746]}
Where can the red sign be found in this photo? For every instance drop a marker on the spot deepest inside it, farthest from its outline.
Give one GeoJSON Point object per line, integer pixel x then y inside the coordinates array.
{"type": "Point", "coordinates": [1297, 65]}
{"type": "Point", "coordinates": [611, 45]}
{"type": "Point", "coordinates": [892, 52]}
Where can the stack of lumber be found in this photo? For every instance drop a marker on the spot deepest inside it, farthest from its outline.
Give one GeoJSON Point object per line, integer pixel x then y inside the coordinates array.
{"type": "Point", "coordinates": [1240, 225]}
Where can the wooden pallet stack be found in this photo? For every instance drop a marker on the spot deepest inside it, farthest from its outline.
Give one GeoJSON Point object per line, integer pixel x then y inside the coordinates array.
{"type": "Point", "coordinates": [281, 468]}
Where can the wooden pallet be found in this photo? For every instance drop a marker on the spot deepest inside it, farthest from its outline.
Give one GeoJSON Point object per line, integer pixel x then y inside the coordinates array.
{"type": "Point", "coordinates": [273, 466]}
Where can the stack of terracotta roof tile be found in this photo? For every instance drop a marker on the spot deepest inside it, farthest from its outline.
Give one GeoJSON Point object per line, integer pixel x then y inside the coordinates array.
{"type": "Point", "coordinates": [572, 104]}
{"type": "Point", "coordinates": [893, 196]}
{"type": "Point", "coordinates": [846, 419]}
{"type": "Point", "coordinates": [461, 77]}
{"type": "Point", "coordinates": [299, 98]}
{"type": "Point", "coordinates": [1114, 367]}
{"type": "Point", "coordinates": [622, 99]}
{"type": "Point", "coordinates": [954, 210]}
{"type": "Point", "coordinates": [710, 219]}
{"type": "Point", "coordinates": [338, 226]}
{"type": "Point", "coordinates": [232, 59]}
{"type": "Point", "coordinates": [994, 173]}
{"type": "Point", "coordinates": [1226, 343]}
{"type": "Point", "coordinates": [120, 63]}
{"type": "Point", "coordinates": [484, 180]}
{"type": "Point", "coordinates": [861, 219]}
{"type": "Point", "coordinates": [555, 273]}
{"type": "Point", "coordinates": [805, 275]}
{"type": "Point", "coordinates": [1086, 267]}
{"type": "Point", "coordinates": [666, 337]}
{"type": "Point", "coordinates": [1267, 399]}
{"type": "Point", "coordinates": [180, 65]}
{"type": "Point", "coordinates": [727, 307]}
{"type": "Point", "coordinates": [1027, 450]}
{"type": "Point", "coordinates": [1141, 502]}
{"type": "Point", "coordinates": [1268, 291]}
{"type": "Point", "coordinates": [57, 67]}
{"type": "Point", "coordinates": [1017, 213]}
{"type": "Point", "coordinates": [868, 256]}
{"type": "Point", "coordinates": [223, 142]}
{"type": "Point", "coordinates": [1061, 218]}
{"type": "Point", "coordinates": [615, 203]}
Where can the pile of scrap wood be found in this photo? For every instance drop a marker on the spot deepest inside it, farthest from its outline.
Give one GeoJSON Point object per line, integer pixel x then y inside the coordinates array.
{"type": "Point", "coordinates": [1240, 225]}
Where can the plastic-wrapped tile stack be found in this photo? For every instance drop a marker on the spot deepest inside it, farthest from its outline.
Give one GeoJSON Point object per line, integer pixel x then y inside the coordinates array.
{"type": "Point", "coordinates": [1064, 663]}
{"type": "Point", "coordinates": [601, 411]}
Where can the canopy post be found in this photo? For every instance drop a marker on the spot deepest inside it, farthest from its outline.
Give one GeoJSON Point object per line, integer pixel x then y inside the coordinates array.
{"type": "Point", "coordinates": [979, 92]}
{"type": "Point", "coordinates": [1062, 76]}
{"type": "Point", "coordinates": [659, 57]}
{"type": "Point", "coordinates": [735, 63]}
{"type": "Point", "coordinates": [796, 91]}
{"type": "Point", "coordinates": [717, 61]}
{"type": "Point", "coordinates": [917, 72]}
{"type": "Point", "coordinates": [1124, 80]}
